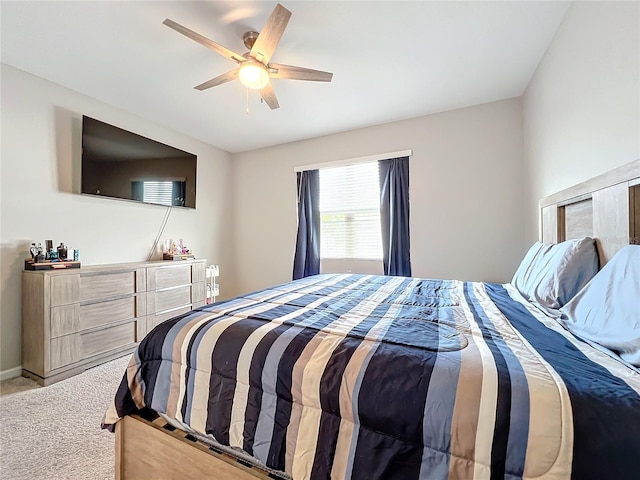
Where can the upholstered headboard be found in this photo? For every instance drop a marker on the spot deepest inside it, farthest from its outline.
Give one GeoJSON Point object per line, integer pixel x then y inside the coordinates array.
{"type": "Point", "coordinates": [606, 207]}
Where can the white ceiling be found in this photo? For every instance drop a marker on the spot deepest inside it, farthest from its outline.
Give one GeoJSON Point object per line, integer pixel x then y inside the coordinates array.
{"type": "Point", "coordinates": [391, 60]}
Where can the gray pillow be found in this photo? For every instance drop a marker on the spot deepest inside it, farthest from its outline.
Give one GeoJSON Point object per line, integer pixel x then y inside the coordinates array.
{"type": "Point", "coordinates": [607, 310]}
{"type": "Point", "coordinates": [551, 274]}
{"type": "Point", "coordinates": [522, 278]}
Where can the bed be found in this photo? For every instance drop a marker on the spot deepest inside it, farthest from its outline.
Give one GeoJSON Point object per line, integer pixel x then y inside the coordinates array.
{"type": "Point", "coordinates": [360, 376]}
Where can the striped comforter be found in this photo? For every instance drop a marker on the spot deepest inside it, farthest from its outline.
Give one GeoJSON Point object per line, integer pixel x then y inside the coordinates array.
{"type": "Point", "coordinates": [356, 376]}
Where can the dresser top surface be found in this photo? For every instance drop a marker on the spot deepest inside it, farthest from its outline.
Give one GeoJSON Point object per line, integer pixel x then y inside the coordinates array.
{"type": "Point", "coordinates": [116, 267]}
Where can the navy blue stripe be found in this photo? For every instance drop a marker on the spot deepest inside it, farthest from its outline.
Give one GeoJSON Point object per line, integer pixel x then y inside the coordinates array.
{"type": "Point", "coordinates": [328, 435]}
{"type": "Point", "coordinates": [503, 402]}
{"type": "Point", "coordinates": [383, 457]}
{"type": "Point", "coordinates": [123, 401]}
{"type": "Point", "coordinates": [606, 411]}
{"type": "Point", "coordinates": [224, 363]}
{"type": "Point", "coordinates": [254, 397]}
{"type": "Point", "coordinates": [330, 388]}
{"type": "Point", "coordinates": [189, 378]}
{"type": "Point", "coordinates": [290, 356]}
{"type": "Point", "coordinates": [396, 382]}
{"type": "Point", "coordinates": [518, 434]}
{"type": "Point", "coordinates": [150, 360]}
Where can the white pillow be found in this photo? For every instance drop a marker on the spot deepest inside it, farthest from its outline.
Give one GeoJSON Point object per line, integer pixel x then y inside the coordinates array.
{"type": "Point", "coordinates": [551, 274]}
{"type": "Point", "coordinates": [607, 310]}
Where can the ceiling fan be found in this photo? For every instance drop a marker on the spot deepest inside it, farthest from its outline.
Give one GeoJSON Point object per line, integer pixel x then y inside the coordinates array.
{"type": "Point", "coordinates": [254, 67]}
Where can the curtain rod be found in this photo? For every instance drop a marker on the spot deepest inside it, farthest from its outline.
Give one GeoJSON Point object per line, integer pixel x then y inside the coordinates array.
{"type": "Point", "coordinates": [353, 161]}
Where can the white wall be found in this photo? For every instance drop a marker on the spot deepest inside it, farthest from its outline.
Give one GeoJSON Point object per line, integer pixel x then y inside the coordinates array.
{"type": "Point", "coordinates": [466, 182]}
{"type": "Point", "coordinates": [41, 128]}
{"type": "Point", "coordinates": [582, 106]}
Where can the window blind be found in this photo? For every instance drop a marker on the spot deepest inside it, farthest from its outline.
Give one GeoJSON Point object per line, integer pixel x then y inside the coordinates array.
{"type": "Point", "coordinates": [157, 192]}
{"type": "Point", "coordinates": [350, 212]}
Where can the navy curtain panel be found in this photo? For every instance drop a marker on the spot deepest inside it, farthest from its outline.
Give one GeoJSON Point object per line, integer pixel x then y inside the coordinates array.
{"type": "Point", "coordinates": [394, 216]}
{"type": "Point", "coordinates": [307, 258]}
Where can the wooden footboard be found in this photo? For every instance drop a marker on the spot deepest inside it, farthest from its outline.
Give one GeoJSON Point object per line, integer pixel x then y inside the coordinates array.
{"type": "Point", "coordinates": [147, 449]}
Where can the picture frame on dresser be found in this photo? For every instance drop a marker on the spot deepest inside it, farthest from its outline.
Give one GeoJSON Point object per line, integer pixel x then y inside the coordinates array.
{"type": "Point", "coordinates": [79, 318]}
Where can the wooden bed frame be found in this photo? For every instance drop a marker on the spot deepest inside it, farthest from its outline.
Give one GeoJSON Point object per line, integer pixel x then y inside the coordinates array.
{"type": "Point", "coordinates": [606, 208]}
{"type": "Point", "coordinates": [154, 450]}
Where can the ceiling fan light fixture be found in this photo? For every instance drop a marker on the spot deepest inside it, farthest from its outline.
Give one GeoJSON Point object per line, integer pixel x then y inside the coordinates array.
{"type": "Point", "coordinates": [255, 69]}
{"type": "Point", "coordinates": [253, 75]}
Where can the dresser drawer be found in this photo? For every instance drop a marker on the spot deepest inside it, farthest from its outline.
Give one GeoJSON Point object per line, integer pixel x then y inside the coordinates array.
{"type": "Point", "coordinates": [168, 299]}
{"type": "Point", "coordinates": [64, 351]}
{"type": "Point", "coordinates": [198, 292]}
{"type": "Point", "coordinates": [65, 289]}
{"type": "Point", "coordinates": [103, 340]}
{"type": "Point", "coordinates": [152, 320]}
{"type": "Point", "coordinates": [94, 287]}
{"type": "Point", "coordinates": [161, 317]}
{"type": "Point", "coordinates": [198, 272]}
{"type": "Point", "coordinates": [69, 349]}
{"type": "Point", "coordinates": [65, 319]}
{"type": "Point", "coordinates": [167, 277]}
{"type": "Point", "coordinates": [104, 313]}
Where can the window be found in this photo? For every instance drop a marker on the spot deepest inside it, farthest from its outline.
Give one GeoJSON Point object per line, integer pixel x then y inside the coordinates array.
{"type": "Point", "coordinates": [350, 212]}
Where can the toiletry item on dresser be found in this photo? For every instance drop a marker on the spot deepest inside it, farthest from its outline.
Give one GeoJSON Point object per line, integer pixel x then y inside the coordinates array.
{"type": "Point", "coordinates": [62, 251]}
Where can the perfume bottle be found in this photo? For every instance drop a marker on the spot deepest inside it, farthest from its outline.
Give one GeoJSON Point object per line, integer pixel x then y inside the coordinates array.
{"type": "Point", "coordinates": [48, 250]}
{"type": "Point", "coordinates": [62, 251]}
{"type": "Point", "coordinates": [40, 257]}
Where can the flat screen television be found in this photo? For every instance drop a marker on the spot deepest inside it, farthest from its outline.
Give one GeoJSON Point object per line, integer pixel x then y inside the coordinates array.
{"type": "Point", "coordinates": [121, 164]}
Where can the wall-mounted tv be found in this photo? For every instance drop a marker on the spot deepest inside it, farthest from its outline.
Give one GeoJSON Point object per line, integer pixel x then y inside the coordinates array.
{"type": "Point", "coordinates": [121, 164]}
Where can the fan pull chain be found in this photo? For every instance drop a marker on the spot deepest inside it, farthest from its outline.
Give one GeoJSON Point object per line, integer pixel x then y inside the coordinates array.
{"type": "Point", "coordinates": [247, 100]}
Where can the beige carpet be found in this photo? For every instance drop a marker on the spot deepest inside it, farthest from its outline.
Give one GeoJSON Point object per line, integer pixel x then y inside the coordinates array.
{"type": "Point", "coordinates": [54, 432]}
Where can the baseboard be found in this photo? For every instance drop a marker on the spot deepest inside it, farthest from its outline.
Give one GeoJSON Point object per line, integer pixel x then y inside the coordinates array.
{"type": "Point", "coordinates": [10, 373]}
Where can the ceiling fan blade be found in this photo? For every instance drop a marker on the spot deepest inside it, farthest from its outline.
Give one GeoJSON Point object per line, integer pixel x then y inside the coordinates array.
{"type": "Point", "coordinates": [219, 80]}
{"type": "Point", "coordinates": [291, 72]}
{"type": "Point", "coordinates": [270, 35]}
{"type": "Point", "coordinates": [225, 52]}
{"type": "Point", "coordinates": [269, 96]}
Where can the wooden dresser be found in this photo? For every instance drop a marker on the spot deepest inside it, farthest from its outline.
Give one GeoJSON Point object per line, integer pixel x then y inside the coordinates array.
{"type": "Point", "coordinates": [78, 318]}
